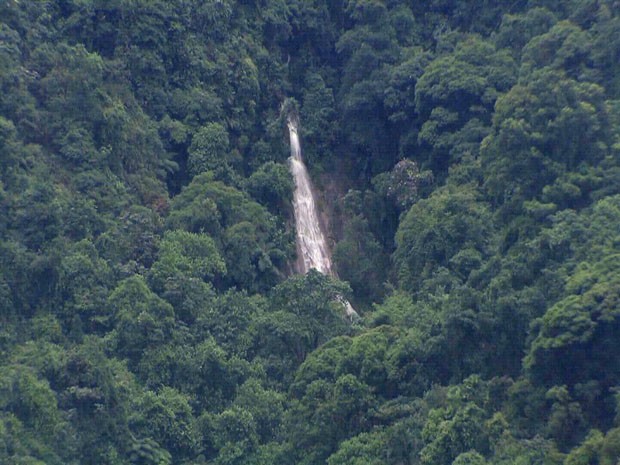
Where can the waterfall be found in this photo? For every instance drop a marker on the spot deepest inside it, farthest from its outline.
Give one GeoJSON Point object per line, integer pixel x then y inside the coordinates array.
{"type": "Point", "coordinates": [311, 244]}
{"type": "Point", "coordinates": [312, 249]}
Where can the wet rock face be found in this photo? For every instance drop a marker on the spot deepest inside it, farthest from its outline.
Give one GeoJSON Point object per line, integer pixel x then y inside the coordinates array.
{"type": "Point", "coordinates": [312, 248]}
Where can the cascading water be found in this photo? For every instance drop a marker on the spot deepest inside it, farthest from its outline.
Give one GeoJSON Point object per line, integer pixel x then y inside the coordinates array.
{"type": "Point", "coordinates": [311, 243]}
{"type": "Point", "coordinates": [312, 249]}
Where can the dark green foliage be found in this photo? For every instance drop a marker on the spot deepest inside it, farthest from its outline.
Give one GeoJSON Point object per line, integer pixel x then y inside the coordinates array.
{"type": "Point", "coordinates": [84, 282]}
{"type": "Point", "coordinates": [544, 128]}
{"type": "Point", "coordinates": [203, 371]}
{"type": "Point", "coordinates": [209, 149]}
{"type": "Point", "coordinates": [182, 273]}
{"type": "Point", "coordinates": [450, 230]}
{"type": "Point", "coordinates": [247, 235]}
{"type": "Point", "coordinates": [271, 184]}
{"type": "Point", "coordinates": [359, 257]}
{"type": "Point", "coordinates": [304, 314]}
{"type": "Point", "coordinates": [319, 119]}
{"type": "Point", "coordinates": [142, 319]}
{"type": "Point", "coordinates": [167, 416]}
{"type": "Point", "coordinates": [467, 161]}
{"type": "Point", "coordinates": [454, 97]}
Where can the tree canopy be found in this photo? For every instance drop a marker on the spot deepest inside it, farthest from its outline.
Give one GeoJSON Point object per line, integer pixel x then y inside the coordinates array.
{"type": "Point", "coordinates": [466, 159]}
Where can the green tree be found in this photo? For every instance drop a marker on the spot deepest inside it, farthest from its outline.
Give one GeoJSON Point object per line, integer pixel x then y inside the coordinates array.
{"type": "Point", "coordinates": [367, 50]}
{"type": "Point", "coordinates": [584, 322]}
{"type": "Point", "coordinates": [203, 372]}
{"type": "Point", "coordinates": [365, 448]}
{"type": "Point", "coordinates": [186, 263]}
{"type": "Point", "coordinates": [84, 282]}
{"type": "Point", "coordinates": [265, 405]}
{"type": "Point", "coordinates": [360, 260]}
{"type": "Point", "coordinates": [247, 235]}
{"type": "Point", "coordinates": [542, 127]}
{"type": "Point", "coordinates": [318, 117]}
{"type": "Point", "coordinates": [142, 319]}
{"type": "Point", "coordinates": [565, 46]}
{"type": "Point", "coordinates": [516, 30]}
{"type": "Point", "coordinates": [303, 314]}
{"type": "Point", "coordinates": [98, 391]}
{"type": "Point", "coordinates": [209, 150]}
{"type": "Point", "coordinates": [325, 415]}
{"type": "Point", "coordinates": [455, 98]}
{"type": "Point", "coordinates": [232, 319]}
{"type": "Point", "coordinates": [461, 426]}
{"type": "Point", "coordinates": [451, 229]}
{"type": "Point", "coordinates": [30, 400]}
{"type": "Point", "coordinates": [469, 458]}
{"type": "Point", "coordinates": [235, 436]}
{"type": "Point", "coordinates": [167, 416]}
{"type": "Point", "coordinates": [271, 185]}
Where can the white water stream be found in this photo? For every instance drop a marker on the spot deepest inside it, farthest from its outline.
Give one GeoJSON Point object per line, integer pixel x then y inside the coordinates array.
{"type": "Point", "coordinates": [311, 244]}
{"type": "Point", "coordinates": [312, 249]}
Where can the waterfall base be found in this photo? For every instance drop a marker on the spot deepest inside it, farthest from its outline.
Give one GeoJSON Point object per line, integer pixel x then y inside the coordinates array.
{"type": "Point", "coordinates": [349, 311]}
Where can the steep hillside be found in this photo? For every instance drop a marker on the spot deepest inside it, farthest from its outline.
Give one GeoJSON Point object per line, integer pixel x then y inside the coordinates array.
{"type": "Point", "coordinates": [147, 310]}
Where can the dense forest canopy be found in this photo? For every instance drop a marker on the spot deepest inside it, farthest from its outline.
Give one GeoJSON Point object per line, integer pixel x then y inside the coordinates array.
{"type": "Point", "coordinates": [468, 157]}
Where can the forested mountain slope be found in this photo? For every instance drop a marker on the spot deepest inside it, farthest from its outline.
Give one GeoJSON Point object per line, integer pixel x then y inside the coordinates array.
{"type": "Point", "coordinates": [469, 153]}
